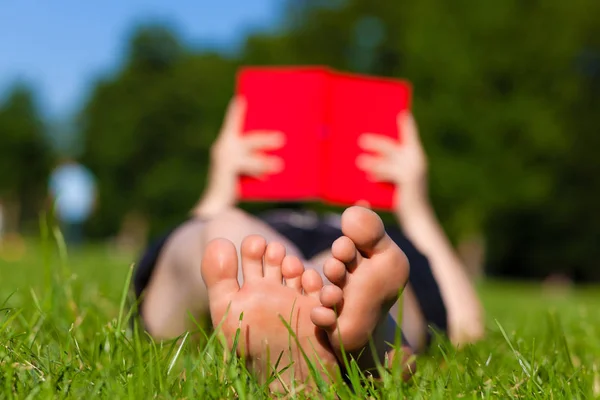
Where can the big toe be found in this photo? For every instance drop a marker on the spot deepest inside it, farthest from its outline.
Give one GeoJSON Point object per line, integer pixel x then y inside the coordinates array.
{"type": "Point", "coordinates": [219, 266]}
{"type": "Point", "coordinates": [365, 229]}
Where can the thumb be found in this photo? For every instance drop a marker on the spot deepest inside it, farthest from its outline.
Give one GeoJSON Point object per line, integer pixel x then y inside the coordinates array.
{"type": "Point", "coordinates": [234, 117]}
{"type": "Point", "coordinates": [407, 127]}
{"type": "Point", "coordinates": [363, 203]}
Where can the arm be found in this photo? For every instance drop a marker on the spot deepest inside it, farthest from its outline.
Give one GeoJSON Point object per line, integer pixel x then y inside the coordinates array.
{"type": "Point", "coordinates": [421, 226]}
{"type": "Point", "coordinates": [405, 164]}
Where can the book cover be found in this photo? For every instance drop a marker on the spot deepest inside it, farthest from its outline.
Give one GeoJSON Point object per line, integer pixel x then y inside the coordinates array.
{"type": "Point", "coordinates": [322, 114]}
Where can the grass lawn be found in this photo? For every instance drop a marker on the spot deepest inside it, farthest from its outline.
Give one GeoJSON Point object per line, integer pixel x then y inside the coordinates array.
{"type": "Point", "coordinates": [64, 334]}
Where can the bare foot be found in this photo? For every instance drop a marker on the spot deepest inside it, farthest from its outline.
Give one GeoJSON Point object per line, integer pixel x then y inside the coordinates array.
{"type": "Point", "coordinates": [264, 301]}
{"type": "Point", "coordinates": [368, 271]}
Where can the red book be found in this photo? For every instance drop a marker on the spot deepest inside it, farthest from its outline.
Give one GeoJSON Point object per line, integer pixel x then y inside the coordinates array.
{"type": "Point", "coordinates": [322, 114]}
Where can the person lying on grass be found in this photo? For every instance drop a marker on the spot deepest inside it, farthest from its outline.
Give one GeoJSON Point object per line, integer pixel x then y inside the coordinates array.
{"type": "Point", "coordinates": [335, 281]}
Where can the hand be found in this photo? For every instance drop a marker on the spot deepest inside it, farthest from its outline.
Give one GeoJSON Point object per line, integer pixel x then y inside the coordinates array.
{"type": "Point", "coordinates": [234, 155]}
{"type": "Point", "coordinates": [237, 154]}
{"type": "Point", "coordinates": [402, 163]}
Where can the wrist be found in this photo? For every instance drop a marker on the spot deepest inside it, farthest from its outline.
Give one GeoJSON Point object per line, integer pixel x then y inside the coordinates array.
{"type": "Point", "coordinates": [212, 204]}
{"type": "Point", "coordinates": [220, 193]}
{"type": "Point", "coordinates": [413, 200]}
{"type": "Point", "coordinates": [209, 209]}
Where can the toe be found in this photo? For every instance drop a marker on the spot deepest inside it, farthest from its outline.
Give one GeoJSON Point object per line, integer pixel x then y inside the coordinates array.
{"type": "Point", "coordinates": [344, 250]}
{"type": "Point", "coordinates": [365, 229]}
{"type": "Point", "coordinates": [323, 318]}
{"type": "Point", "coordinates": [292, 270]}
{"type": "Point", "coordinates": [312, 283]}
{"type": "Point", "coordinates": [252, 251]}
{"type": "Point", "coordinates": [331, 297]}
{"type": "Point", "coordinates": [219, 267]}
{"type": "Point", "coordinates": [335, 271]}
{"type": "Point", "coordinates": [274, 256]}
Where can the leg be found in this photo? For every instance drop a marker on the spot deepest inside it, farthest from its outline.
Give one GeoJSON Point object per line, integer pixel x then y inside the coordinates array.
{"type": "Point", "coordinates": [176, 288]}
{"type": "Point", "coordinates": [368, 271]}
{"type": "Point", "coordinates": [413, 323]}
{"type": "Point", "coordinates": [423, 307]}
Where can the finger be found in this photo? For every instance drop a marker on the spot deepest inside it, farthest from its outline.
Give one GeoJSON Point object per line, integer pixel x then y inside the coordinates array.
{"type": "Point", "coordinates": [376, 168]}
{"type": "Point", "coordinates": [363, 203]}
{"type": "Point", "coordinates": [381, 177]}
{"type": "Point", "coordinates": [263, 140]}
{"type": "Point", "coordinates": [377, 143]}
{"type": "Point", "coordinates": [234, 117]}
{"type": "Point", "coordinates": [368, 163]}
{"type": "Point", "coordinates": [258, 166]}
{"type": "Point", "coordinates": [407, 127]}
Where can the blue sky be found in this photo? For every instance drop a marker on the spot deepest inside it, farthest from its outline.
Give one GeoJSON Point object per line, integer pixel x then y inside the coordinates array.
{"type": "Point", "coordinates": [61, 46]}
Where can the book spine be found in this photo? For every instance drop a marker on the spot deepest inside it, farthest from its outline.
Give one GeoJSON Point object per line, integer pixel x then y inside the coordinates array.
{"type": "Point", "coordinates": [325, 153]}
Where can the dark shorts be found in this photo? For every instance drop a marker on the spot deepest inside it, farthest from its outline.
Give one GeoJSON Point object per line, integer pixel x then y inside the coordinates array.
{"type": "Point", "coordinates": [312, 235]}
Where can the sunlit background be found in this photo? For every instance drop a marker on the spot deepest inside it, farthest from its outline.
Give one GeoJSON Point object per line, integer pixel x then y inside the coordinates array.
{"type": "Point", "coordinates": [507, 98]}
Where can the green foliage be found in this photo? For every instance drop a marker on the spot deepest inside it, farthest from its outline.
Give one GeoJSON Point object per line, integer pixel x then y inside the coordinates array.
{"type": "Point", "coordinates": [25, 157]}
{"type": "Point", "coordinates": [148, 130]}
{"type": "Point", "coordinates": [506, 95]}
{"type": "Point", "coordinates": [493, 92]}
{"type": "Point", "coordinates": [507, 108]}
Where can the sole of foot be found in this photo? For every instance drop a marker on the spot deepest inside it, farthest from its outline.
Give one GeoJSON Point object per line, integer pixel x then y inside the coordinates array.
{"type": "Point", "coordinates": [368, 271]}
{"type": "Point", "coordinates": [275, 287]}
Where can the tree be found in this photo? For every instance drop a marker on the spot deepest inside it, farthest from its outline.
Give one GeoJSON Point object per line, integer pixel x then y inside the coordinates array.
{"type": "Point", "coordinates": [148, 129]}
{"type": "Point", "coordinates": [25, 156]}
{"type": "Point", "coordinates": [505, 94]}
{"type": "Point", "coordinates": [497, 97]}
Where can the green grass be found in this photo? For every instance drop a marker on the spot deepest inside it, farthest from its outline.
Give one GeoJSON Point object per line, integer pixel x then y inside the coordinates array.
{"type": "Point", "coordinates": [64, 334]}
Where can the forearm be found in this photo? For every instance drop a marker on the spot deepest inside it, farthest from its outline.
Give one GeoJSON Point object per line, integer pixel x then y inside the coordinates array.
{"type": "Point", "coordinates": [420, 224]}
{"type": "Point", "coordinates": [220, 194]}
{"type": "Point", "coordinates": [417, 218]}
